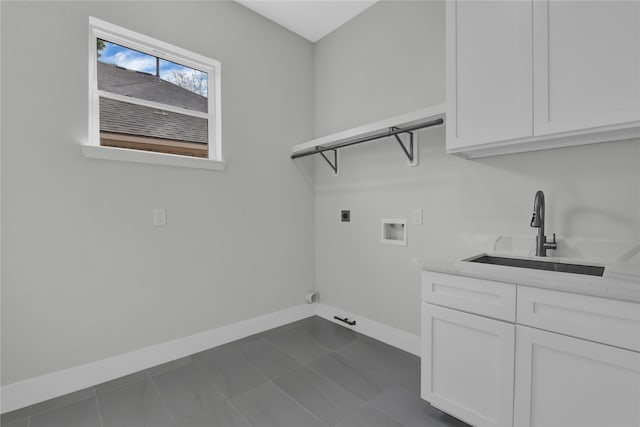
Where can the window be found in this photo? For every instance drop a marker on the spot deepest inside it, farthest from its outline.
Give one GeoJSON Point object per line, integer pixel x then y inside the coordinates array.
{"type": "Point", "coordinates": [149, 96]}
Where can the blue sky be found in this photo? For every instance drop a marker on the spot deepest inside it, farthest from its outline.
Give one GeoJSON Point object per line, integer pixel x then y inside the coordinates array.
{"type": "Point", "coordinates": [138, 61]}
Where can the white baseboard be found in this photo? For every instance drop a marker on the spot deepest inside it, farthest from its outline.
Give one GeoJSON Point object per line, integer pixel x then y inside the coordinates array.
{"type": "Point", "coordinates": [387, 334]}
{"type": "Point", "coordinates": [38, 389]}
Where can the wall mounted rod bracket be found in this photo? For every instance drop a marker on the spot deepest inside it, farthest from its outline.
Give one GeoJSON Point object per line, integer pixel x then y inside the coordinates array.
{"type": "Point", "coordinates": [334, 164]}
{"type": "Point", "coordinates": [409, 152]}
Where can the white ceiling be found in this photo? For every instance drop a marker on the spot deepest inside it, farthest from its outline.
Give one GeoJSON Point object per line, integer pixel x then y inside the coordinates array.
{"type": "Point", "coordinates": [312, 19]}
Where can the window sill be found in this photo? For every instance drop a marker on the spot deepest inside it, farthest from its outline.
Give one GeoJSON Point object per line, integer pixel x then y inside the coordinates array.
{"type": "Point", "coordinates": [148, 157]}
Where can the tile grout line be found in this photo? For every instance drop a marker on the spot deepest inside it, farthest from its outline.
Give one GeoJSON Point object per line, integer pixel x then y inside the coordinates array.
{"type": "Point", "coordinates": [236, 408]}
{"type": "Point", "coordinates": [226, 399]}
{"type": "Point", "coordinates": [270, 380]}
{"type": "Point", "coordinates": [296, 402]}
{"type": "Point", "coordinates": [98, 406]}
{"type": "Point", "coordinates": [334, 352]}
{"type": "Point", "coordinates": [383, 412]}
{"type": "Point", "coordinates": [244, 392]}
{"type": "Point", "coordinates": [370, 403]}
{"type": "Point", "coordinates": [330, 381]}
{"type": "Point", "coordinates": [310, 338]}
{"type": "Point", "coordinates": [162, 400]}
{"type": "Point", "coordinates": [306, 366]}
{"type": "Point", "coordinates": [364, 401]}
{"type": "Point", "coordinates": [321, 375]}
{"type": "Point", "coordinates": [256, 368]}
{"type": "Point", "coordinates": [327, 378]}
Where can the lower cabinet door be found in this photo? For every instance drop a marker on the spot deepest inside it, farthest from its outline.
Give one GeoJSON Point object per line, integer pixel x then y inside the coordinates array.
{"type": "Point", "coordinates": [565, 381]}
{"type": "Point", "coordinates": [468, 365]}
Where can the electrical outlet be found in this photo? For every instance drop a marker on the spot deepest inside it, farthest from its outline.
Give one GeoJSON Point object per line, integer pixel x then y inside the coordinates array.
{"type": "Point", "coordinates": [345, 216]}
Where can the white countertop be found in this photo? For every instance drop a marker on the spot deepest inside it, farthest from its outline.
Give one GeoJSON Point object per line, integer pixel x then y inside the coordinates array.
{"type": "Point", "coordinates": [620, 281]}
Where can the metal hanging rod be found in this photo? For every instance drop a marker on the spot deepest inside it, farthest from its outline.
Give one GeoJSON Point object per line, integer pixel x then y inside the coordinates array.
{"type": "Point", "coordinates": [392, 131]}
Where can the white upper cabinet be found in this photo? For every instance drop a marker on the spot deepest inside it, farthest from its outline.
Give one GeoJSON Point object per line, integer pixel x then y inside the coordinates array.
{"type": "Point", "coordinates": [489, 71]}
{"type": "Point", "coordinates": [586, 64]}
{"type": "Point", "coordinates": [530, 75]}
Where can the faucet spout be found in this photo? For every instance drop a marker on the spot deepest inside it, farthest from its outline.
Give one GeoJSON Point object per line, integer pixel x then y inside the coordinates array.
{"type": "Point", "coordinates": [537, 221]}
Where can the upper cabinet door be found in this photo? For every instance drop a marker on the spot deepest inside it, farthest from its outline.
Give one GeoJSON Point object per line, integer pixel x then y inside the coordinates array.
{"type": "Point", "coordinates": [489, 71]}
{"type": "Point", "coordinates": [586, 64]}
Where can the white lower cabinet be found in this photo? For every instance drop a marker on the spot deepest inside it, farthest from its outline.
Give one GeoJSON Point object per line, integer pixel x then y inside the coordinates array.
{"type": "Point", "coordinates": [564, 360]}
{"type": "Point", "coordinates": [468, 365]}
{"type": "Point", "coordinates": [565, 381]}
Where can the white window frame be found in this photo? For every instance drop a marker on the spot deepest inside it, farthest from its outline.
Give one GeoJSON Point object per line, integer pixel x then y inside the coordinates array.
{"type": "Point", "coordinates": [99, 29]}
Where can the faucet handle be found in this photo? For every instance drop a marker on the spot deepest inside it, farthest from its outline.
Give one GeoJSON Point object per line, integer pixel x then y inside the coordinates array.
{"type": "Point", "coordinates": [552, 244]}
{"type": "Point", "coordinates": [533, 219]}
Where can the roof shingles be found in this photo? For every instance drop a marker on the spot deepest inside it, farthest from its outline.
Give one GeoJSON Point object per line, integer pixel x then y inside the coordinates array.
{"type": "Point", "coordinates": [124, 118]}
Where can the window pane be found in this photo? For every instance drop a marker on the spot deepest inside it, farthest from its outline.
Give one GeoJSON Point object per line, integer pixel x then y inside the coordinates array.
{"type": "Point", "coordinates": [132, 73]}
{"type": "Point", "coordinates": [159, 127]}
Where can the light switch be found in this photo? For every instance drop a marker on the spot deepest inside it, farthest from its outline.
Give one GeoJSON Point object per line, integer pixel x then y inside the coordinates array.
{"type": "Point", "coordinates": [417, 217]}
{"type": "Point", "coordinates": [159, 216]}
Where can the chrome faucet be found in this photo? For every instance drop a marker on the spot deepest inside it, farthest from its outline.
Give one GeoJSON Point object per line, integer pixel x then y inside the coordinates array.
{"type": "Point", "coordinates": [537, 221]}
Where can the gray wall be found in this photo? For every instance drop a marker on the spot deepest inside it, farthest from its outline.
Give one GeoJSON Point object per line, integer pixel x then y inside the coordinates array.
{"type": "Point", "coordinates": [390, 60]}
{"type": "Point", "coordinates": [85, 274]}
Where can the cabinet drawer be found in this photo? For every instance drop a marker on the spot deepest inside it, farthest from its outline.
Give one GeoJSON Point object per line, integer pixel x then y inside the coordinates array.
{"type": "Point", "coordinates": [484, 297]}
{"type": "Point", "coordinates": [597, 319]}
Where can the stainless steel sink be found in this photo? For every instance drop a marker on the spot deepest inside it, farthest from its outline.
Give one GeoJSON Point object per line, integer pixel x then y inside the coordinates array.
{"type": "Point", "coordinates": [561, 267]}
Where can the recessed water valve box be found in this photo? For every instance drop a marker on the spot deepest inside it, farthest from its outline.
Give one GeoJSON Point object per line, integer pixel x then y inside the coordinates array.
{"type": "Point", "coordinates": [394, 232]}
{"type": "Point", "coordinates": [345, 216]}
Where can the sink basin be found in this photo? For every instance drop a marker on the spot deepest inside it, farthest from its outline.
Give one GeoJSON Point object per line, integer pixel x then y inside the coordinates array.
{"type": "Point", "coordinates": [562, 267]}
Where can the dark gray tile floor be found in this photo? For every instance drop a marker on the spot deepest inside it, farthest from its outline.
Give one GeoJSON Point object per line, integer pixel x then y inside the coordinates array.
{"type": "Point", "coordinates": [306, 374]}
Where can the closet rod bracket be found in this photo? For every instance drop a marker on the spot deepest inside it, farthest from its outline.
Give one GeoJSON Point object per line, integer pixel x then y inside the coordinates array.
{"type": "Point", "coordinates": [408, 151]}
{"type": "Point", "coordinates": [334, 163]}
